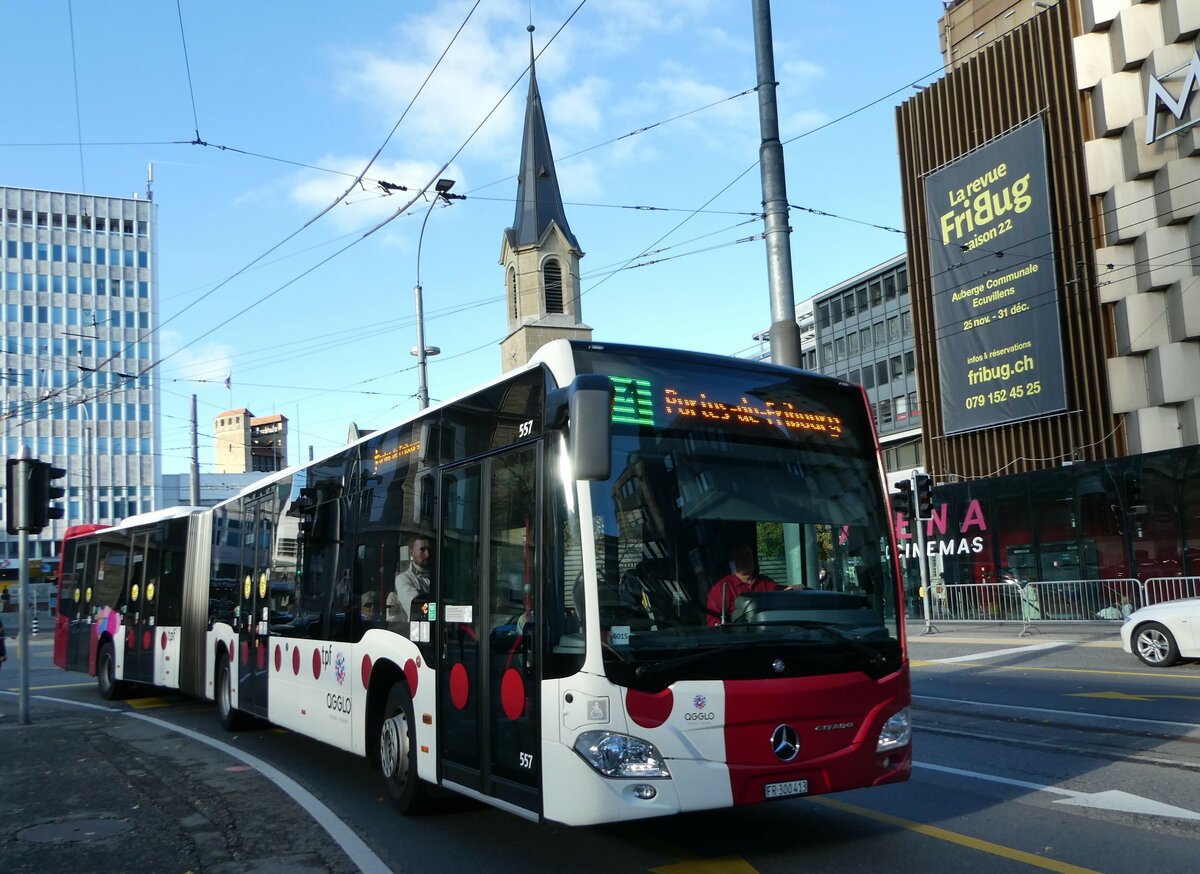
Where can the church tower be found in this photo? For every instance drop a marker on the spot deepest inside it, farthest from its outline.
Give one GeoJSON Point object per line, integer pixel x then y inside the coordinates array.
{"type": "Point", "coordinates": [539, 253]}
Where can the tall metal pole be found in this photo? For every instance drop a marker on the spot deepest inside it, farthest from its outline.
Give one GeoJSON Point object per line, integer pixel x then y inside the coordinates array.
{"type": "Point", "coordinates": [442, 186]}
{"type": "Point", "coordinates": [194, 497]}
{"type": "Point", "coordinates": [785, 333]}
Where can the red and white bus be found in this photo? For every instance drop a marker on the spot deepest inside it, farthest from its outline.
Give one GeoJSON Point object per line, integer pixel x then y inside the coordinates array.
{"type": "Point", "coordinates": [572, 521]}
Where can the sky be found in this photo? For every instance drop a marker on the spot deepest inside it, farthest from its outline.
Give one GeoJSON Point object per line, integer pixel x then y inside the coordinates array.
{"type": "Point", "coordinates": [258, 117]}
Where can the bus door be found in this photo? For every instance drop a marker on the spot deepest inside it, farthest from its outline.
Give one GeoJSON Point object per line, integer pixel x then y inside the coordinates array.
{"type": "Point", "coordinates": [79, 568]}
{"type": "Point", "coordinates": [139, 614]}
{"type": "Point", "coordinates": [488, 676]}
{"type": "Point", "coordinates": [255, 604]}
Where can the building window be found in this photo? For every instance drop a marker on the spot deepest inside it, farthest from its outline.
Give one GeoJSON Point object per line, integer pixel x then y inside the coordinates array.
{"type": "Point", "coordinates": [835, 309]}
{"type": "Point", "coordinates": [880, 336]}
{"type": "Point", "coordinates": [826, 355]}
{"type": "Point", "coordinates": [868, 377]}
{"type": "Point", "coordinates": [876, 293]}
{"type": "Point", "coordinates": [885, 412]}
{"type": "Point", "coordinates": [848, 304]}
{"type": "Point", "coordinates": [852, 342]}
{"type": "Point", "coordinates": [889, 287]}
{"type": "Point", "coordinates": [893, 325]}
{"type": "Point", "coordinates": [861, 292]}
{"type": "Point", "coordinates": [840, 347]}
{"type": "Point", "coordinates": [552, 274]}
{"type": "Point", "coordinates": [823, 316]}
{"type": "Point", "coordinates": [897, 367]}
{"type": "Point", "coordinates": [864, 339]}
{"type": "Point", "coordinates": [910, 362]}
{"type": "Point", "coordinates": [906, 323]}
{"type": "Point", "coordinates": [881, 373]}
{"type": "Point", "coordinates": [512, 292]}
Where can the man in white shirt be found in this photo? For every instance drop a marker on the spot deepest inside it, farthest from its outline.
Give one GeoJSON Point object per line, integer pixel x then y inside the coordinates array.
{"type": "Point", "coordinates": [413, 581]}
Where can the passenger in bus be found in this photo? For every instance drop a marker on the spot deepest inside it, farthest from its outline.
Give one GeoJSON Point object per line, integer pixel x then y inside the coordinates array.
{"type": "Point", "coordinates": [413, 582]}
{"type": "Point", "coordinates": [369, 609]}
{"type": "Point", "coordinates": [744, 578]}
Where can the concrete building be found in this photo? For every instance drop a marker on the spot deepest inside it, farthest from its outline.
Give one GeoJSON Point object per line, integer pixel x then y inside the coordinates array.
{"type": "Point", "coordinates": [1050, 185]}
{"type": "Point", "coordinates": [80, 304]}
{"type": "Point", "coordinates": [861, 330]}
{"type": "Point", "coordinates": [245, 443]}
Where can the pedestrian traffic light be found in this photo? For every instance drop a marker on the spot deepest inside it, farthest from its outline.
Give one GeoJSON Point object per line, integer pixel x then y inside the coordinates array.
{"type": "Point", "coordinates": [902, 498]}
{"type": "Point", "coordinates": [42, 494]}
{"type": "Point", "coordinates": [923, 486]}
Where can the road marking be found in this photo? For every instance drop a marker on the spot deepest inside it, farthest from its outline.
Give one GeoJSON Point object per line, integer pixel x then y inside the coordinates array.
{"type": "Point", "coordinates": [1102, 717]}
{"type": "Point", "coordinates": [55, 686]}
{"type": "Point", "coordinates": [726, 865]}
{"type": "Point", "coordinates": [998, 653]}
{"type": "Point", "coordinates": [1124, 696]}
{"type": "Point", "coordinates": [352, 845]}
{"type": "Point", "coordinates": [147, 703]}
{"type": "Point", "coordinates": [962, 840]}
{"type": "Point", "coordinates": [1111, 799]}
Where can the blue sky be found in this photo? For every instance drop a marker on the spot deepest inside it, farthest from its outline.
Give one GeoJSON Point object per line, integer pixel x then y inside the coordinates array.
{"type": "Point", "coordinates": [301, 95]}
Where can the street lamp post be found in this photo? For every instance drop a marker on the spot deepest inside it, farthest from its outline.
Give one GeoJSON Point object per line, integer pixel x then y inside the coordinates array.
{"type": "Point", "coordinates": [421, 350]}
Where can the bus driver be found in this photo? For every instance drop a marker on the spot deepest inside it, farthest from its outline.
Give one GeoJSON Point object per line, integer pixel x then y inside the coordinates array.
{"type": "Point", "coordinates": [413, 581]}
{"type": "Point", "coordinates": [744, 578]}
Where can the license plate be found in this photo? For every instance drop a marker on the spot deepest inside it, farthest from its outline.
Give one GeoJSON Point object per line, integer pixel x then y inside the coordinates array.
{"type": "Point", "coordinates": [785, 790]}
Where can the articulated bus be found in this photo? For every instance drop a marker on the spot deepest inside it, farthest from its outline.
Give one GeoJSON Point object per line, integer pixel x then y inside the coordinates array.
{"type": "Point", "coordinates": [574, 523]}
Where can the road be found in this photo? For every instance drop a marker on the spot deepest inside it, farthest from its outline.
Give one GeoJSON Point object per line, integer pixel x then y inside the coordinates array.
{"type": "Point", "coordinates": [1057, 753]}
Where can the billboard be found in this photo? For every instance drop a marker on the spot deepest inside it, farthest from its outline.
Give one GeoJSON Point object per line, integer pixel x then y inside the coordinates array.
{"type": "Point", "coordinates": [995, 298]}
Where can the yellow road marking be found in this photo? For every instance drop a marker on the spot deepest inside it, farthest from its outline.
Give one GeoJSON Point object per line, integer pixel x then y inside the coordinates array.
{"type": "Point", "coordinates": [942, 834]}
{"type": "Point", "coordinates": [58, 686]}
{"type": "Point", "coordinates": [1105, 673]}
{"type": "Point", "coordinates": [727, 865]}
{"type": "Point", "coordinates": [148, 703]}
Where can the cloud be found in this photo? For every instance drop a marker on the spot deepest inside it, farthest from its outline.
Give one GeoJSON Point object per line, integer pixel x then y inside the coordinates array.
{"type": "Point", "coordinates": [204, 362]}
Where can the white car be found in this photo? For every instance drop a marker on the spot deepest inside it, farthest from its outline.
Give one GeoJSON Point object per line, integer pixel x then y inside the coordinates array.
{"type": "Point", "coordinates": [1163, 633]}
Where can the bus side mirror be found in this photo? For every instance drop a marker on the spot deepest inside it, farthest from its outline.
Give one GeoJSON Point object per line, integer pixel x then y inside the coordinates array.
{"type": "Point", "coordinates": [590, 421]}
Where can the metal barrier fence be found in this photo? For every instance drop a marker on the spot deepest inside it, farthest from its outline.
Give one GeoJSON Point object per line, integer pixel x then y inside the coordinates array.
{"type": "Point", "coordinates": [1054, 601]}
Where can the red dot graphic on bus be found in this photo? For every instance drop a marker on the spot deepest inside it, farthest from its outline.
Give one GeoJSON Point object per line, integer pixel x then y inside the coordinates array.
{"type": "Point", "coordinates": [460, 686]}
{"type": "Point", "coordinates": [162, 640]}
{"type": "Point", "coordinates": [147, 639]}
{"type": "Point", "coordinates": [649, 710]}
{"type": "Point", "coordinates": [512, 694]}
{"type": "Point", "coordinates": [296, 661]}
{"type": "Point", "coordinates": [260, 656]}
{"type": "Point", "coordinates": [365, 672]}
{"type": "Point", "coordinates": [245, 653]}
{"type": "Point", "coordinates": [129, 638]}
{"type": "Point", "coordinates": [231, 653]}
{"type": "Point", "coordinates": [316, 664]}
{"type": "Point", "coordinates": [411, 675]}
{"type": "Point", "coordinates": [278, 657]}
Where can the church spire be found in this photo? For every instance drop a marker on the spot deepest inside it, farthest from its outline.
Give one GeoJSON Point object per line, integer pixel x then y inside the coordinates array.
{"type": "Point", "coordinates": [538, 199]}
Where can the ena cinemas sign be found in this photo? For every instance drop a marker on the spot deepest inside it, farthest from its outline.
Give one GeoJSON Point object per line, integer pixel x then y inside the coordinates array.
{"type": "Point", "coordinates": [1159, 97]}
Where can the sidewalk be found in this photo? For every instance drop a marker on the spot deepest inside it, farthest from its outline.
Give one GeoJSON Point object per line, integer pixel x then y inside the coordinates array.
{"type": "Point", "coordinates": [88, 790]}
{"type": "Point", "coordinates": [1104, 634]}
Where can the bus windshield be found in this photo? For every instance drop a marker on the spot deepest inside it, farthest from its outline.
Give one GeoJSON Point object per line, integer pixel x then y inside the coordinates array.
{"type": "Point", "coordinates": [745, 535]}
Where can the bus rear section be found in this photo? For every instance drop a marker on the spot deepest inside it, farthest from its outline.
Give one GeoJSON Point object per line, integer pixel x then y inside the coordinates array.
{"type": "Point", "coordinates": [121, 601]}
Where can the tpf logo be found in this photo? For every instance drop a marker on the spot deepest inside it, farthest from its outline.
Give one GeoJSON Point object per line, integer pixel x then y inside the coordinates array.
{"type": "Point", "coordinates": [699, 702]}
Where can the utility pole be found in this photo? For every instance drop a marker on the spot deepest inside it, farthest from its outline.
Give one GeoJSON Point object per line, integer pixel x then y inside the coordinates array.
{"type": "Point", "coordinates": [194, 497]}
{"type": "Point", "coordinates": [785, 333]}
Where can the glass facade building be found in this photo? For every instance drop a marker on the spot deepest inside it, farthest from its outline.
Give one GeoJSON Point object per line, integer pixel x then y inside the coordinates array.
{"type": "Point", "coordinates": [78, 279]}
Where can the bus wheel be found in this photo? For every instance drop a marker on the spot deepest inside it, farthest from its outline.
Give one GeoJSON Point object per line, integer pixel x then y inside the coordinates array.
{"type": "Point", "coordinates": [106, 673]}
{"type": "Point", "coordinates": [398, 752]}
{"type": "Point", "coordinates": [231, 718]}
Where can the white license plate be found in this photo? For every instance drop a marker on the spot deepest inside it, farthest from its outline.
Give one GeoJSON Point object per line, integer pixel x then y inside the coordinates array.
{"type": "Point", "coordinates": [785, 790]}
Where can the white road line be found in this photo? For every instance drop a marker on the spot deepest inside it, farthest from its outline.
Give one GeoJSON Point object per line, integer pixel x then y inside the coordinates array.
{"type": "Point", "coordinates": [1079, 714]}
{"type": "Point", "coordinates": [1111, 799]}
{"type": "Point", "coordinates": [352, 845]}
{"type": "Point", "coordinates": [997, 653]}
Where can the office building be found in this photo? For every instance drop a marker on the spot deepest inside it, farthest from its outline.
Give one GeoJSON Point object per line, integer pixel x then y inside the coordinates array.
{"type": "Point", "coordinates": [80, 295]}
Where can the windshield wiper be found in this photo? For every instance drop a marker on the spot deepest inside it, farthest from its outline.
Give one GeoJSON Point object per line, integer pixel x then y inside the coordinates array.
{"type": "Point", "coordinates": [873, 656]}
{"type": "Point", "coordinates": [645, 671]}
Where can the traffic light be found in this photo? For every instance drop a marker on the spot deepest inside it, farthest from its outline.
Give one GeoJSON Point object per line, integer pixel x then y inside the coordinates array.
{"type": "Point", "coordinates": [42, 493]}
{"type": "Point", "coordinates": [924, 490]}
{"type": "Point", "coordinates": [902, 498]}
{"type": "Point", "coordinates": [16, 482]}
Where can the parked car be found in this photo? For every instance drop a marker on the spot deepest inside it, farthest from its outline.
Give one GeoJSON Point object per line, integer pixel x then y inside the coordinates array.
{"type": "Point", "coordinates": [1163, 633]}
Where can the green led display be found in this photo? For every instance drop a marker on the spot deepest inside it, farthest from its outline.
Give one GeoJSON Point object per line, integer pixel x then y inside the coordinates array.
{"type": "Point", "coordinates": [632, 403]}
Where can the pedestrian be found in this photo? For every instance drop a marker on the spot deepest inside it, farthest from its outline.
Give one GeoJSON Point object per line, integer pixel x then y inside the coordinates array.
{"type": "Point", "coordinates": [824, 581]}
{"type": "Point", "coordinates": [3, 651]}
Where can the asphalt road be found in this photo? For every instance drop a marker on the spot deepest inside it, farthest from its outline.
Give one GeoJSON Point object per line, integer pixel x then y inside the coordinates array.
{"type": "Point", "coordinates": [1052, 752]}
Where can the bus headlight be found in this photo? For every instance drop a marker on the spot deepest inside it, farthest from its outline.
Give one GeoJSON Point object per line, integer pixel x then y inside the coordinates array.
{"type": "Point", "coordinates": [896, 732]}
{"type": "Point", "coordinates": [619, 755]}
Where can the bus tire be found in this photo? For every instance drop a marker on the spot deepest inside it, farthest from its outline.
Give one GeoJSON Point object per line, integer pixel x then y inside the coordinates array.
{"type": "Point", "coordinates": [231, 718]}
{"type": "Point", "coordinates": [106, 673]}
{"type": "Point", "coordinates": [398, 753]}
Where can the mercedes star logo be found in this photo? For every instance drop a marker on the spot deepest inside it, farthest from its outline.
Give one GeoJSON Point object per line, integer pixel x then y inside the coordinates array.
{"type": "Point", "coordinates": [785, 743]}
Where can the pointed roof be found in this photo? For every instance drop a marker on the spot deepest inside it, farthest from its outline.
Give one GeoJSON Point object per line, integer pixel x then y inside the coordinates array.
{"type": "Point", "coordinates": [538, 199]}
